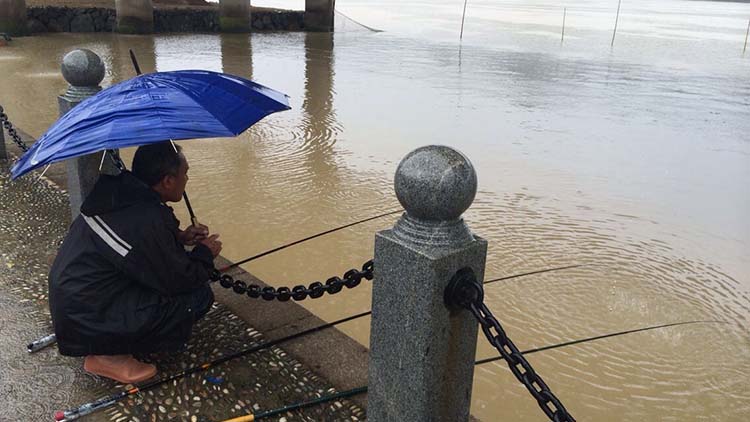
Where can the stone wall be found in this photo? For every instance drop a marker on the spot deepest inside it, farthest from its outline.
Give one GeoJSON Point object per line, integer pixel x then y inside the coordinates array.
{"type": "Point", "coordinates": [64, 19]}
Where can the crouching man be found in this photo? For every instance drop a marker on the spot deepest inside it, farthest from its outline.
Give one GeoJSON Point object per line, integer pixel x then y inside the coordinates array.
{"type": "Point", "coordinates": [123, 282]}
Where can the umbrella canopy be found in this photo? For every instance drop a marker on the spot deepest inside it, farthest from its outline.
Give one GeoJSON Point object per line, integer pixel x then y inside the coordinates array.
{"type": "Point", "coordinates": [154, 107]}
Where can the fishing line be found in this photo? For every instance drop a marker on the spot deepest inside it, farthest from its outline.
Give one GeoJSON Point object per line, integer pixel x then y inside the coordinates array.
{"type": "Point", "coordinates": [585, 340]}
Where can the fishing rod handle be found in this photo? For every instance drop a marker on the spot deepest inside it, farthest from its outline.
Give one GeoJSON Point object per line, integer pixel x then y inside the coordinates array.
{"type": "Point", "coordinates": [246, 418]}
{"type": "Point", "coordinates": [40, 344]}
{"type": "Point", "coordinates": [70, 415]}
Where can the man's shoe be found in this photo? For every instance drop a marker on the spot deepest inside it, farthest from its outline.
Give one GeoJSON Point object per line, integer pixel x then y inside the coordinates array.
{"type": "Point", "coordinates": [122, 368]}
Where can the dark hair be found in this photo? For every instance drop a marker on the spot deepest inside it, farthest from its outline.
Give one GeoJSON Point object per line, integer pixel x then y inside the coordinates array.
{"type": "Point", "coordinates": [154, 161]}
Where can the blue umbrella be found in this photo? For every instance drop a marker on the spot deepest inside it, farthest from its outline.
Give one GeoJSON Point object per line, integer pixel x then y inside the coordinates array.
{"type": "Point", "coordinates": [154, 107]}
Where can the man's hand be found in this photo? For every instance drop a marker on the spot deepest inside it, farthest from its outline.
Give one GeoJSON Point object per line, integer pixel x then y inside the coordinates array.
{"type": "Point", "coordinates": [192, 235]}
{"type": "Point", "coordinates": [212, 244]}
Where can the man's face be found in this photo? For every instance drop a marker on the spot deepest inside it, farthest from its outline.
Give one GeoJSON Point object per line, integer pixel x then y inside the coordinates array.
{"type": "Point", "coordinates": [174, 184]}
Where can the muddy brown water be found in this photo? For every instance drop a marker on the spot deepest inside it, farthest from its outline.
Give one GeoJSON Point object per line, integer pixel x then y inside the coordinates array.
{"type": "Point", "coordinates": [633, 160]}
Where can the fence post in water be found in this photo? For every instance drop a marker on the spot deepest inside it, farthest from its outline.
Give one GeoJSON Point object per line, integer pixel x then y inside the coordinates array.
{"type": "Point", "coordinates": [319, 15]}
{"type": "Point", "coordinates": [83, 70]}
{"type": "Point", "coordinates": [13, 17]}
{"type": "Point", "coordinates": [235, 16]}
{"type": "Point", "coordinates": [421, 353]}
{"type": "Point", "coordinates": [134, 16]}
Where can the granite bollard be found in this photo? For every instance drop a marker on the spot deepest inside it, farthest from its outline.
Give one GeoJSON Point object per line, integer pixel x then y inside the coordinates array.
{"type": "Point", "coordinates": [421, 352]}
{"type": "Point", "coordinates": [83, 70]}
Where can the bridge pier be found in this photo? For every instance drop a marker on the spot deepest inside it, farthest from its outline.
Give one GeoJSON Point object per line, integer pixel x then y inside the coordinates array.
{"type": "Point", "coordinates": [134, 16]}
{"type": "Point", "coordinates": [319, 15]}
{"type": "Point", "coordinates": [13, 17]}
{"type": "Point", "coordinates": [234, 16]}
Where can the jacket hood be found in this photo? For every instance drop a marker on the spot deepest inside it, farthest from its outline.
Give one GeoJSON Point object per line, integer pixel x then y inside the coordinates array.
{"type": "Point", "coordinates": [112, 193]}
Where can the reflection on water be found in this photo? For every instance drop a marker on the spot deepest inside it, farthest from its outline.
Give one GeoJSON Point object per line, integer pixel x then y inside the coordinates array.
{"type": "Point", "coordinates": [632, 161]}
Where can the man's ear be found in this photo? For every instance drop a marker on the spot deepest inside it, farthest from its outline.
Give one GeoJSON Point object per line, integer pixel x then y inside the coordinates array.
{"type": "Point", "coordinates": [167, 181]}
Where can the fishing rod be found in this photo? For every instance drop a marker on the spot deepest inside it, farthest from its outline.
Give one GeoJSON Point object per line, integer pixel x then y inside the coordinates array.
{"type": "Point", "coordinates": [533, 272]}
{"type": "Point", "coordinates": [45, 341]}
{"type": "Point", "coordinates": [193, 218]}
{"type": "Point", "coordinates": [588, 339]}
{"type": "Point", "coordinates": [236, 264]}
{"type": "Point", "coordinates": [299, 405]}
{"type": "Point", "coordinates": [85, 409]}
{"type": "Point", "coordinates": [360, 390]}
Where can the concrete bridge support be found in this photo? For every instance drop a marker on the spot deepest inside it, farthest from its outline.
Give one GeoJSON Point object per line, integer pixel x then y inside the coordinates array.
{"type": "Point", "coordinates": [134, 16]}
{"type": "Point", "coordinates": [421, 350]}
{"type": "Point", "coordinates": [234, 15]}
{"type": "Point", "coordinates": [319, 15]}
{"type": "Point", "coordinates": [13, 17]}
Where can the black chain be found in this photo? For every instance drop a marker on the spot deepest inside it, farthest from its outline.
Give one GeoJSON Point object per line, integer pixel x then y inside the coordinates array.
{"type": "Point", "coordinates": [333, 285]}
{"type": "Point", "coordinates": [12, 131]}
{"type": "Point", "coordinates": [466, 291]}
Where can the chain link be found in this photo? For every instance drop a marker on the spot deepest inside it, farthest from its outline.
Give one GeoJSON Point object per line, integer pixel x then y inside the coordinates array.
{"type": "Point", "coordinates": [333, 285]}
{"type": "Point", "coordinates": [11, 130]}
{"type": "Point", "coordinates": [466, 291]}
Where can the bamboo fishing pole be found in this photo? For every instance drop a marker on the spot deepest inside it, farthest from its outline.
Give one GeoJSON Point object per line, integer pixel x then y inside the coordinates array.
{"type": "Point", "coordinates": [617, 19]}
{"type": "Point", "coordinates": [463, 17]}
{"type": "Point", "coordinates": [562, 37]}
{"type": "Point", "coordinates": [746, 35]}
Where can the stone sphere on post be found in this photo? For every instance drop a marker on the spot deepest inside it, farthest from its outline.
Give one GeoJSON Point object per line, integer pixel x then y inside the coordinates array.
{"type": "Point", "coordinates": [435, 184]}
{"type": "Point", "coordinates": [82, 67]}
{"type": "Point", "coordinates": [84, 71]}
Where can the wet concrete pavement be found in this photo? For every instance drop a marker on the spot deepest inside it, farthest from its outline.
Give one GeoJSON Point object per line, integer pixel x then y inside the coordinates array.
{"type": "Point", "coordinates": [33, 219]}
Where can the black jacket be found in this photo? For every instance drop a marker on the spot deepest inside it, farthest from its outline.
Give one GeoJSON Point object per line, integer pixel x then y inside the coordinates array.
{"type": "Point", "coordinates": [121, 281]}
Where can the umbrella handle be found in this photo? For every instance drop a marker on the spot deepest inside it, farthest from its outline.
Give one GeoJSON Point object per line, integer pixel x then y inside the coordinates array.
{"type": "Point", "coordinates": [193, 218]}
